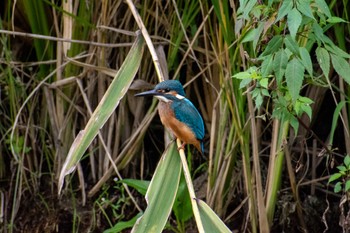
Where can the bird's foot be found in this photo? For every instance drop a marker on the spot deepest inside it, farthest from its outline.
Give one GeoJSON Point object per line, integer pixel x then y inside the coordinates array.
{"type": "Point", "coordinates": [181, 147]}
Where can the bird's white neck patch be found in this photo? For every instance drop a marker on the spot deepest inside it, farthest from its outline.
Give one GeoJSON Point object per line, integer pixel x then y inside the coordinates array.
{"type": "Point", "coordinates": [180, 97]}
{"type": "Point", "coordinates": [162, 98]}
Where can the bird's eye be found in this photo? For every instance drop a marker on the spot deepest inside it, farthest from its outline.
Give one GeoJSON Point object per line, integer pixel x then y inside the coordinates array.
{"type": "Point", "coordinates": [166, 90]}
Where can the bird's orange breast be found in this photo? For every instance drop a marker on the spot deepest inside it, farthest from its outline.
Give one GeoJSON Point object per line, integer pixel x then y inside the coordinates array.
{"type": "Point", "coordinates": [178, 128]}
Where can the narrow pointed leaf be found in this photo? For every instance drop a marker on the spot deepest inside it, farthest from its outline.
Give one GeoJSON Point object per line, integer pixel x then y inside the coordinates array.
{"type": "Point", "coordinates": [305, 8]}
{"type": "Point", "coordinates": [120, 226]}
{"type": "Point", "coordinates": [274, 45]}
{"type": "Point", "coordinates": [291, 44]}
{"type": "Point", "coordinates": [280, 64]}
{"type": "Point", "coordinates": [341, 66]}
{"type": "Point", "coordinates": [334, 177]}
{"type": "Point", "coordinates": [267, 66]}
{"type": "Point", "coordinates": [323, 6]}
{"type": "Point", "coordinates": [336, 114]}
{"type": "Point", "coordinates": [161, 193]}
{"type": "Point", "coordinates": [211, 222]}
{"type": "Point", "coordinates": [105, 108]}
{"type": "Point", "coordinates": [140, 185]}
{"type": "Point", "coordinates": [294, 77]}
{"type": "Point", "coordinates": [306, 59]}
{"type": "Point", "coordinates": [294, 21]}
{"type": "Point", "coordinates": [284, 9]}
{"type": "Point", "coordinates": [322, 56]}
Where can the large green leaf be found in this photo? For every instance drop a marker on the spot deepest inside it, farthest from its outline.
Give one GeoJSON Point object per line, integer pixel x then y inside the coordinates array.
{"type": "Point", "coordinates": [274, 45]}
{"type": "Point", "coordinates": [280, 64]}
{"type": "Point", "coordinates": [336, 115]}
{"type": "Point", "coordinates": [291, 44]}
{"type": "Point", "coordinates": [306, 59]}
{"type": "Point", "coordinates": [294, 20]}
{"type": "Point", "coordinates": [105, 108]}
{"type": "Point", "coordinates": [211, 222]}
{"type": "Point", "coordinates": [161, 193]}
{"type": "Point", "coordinates": [322, 56]}
{"type": "Point", "coordinates": [285, 8]}
{"type": "Point", "coordinates": [267, 66]}
{"type": "Point", "coordinates": [341, 66]}
{"type": "Point", "coordinates": [323, 6]}
{"type": "Point", "coordinates": [120, 226]}
{"type": "Point", "coordinates": [140, 185]}
{"type": "Point", "coordinates": [305, 8]}
{"type": "Point", "coordinates": [294, 77]}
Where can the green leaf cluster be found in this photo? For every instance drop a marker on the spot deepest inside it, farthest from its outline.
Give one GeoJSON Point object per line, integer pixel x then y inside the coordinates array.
{"type": "Point", "coordinates": [342, 176]}
{"type": "Point", "coordinates": [294, 30]}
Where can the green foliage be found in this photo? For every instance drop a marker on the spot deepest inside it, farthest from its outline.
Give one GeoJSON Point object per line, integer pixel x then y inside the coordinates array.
{"type": "Point", "coordinates": [140, 185]}
{"type": "Point", "coordinates": [342, 177]}
{"type": "Point", "coordinates": [286, 58]}
{"type": "Point", "coordinates": [182, 207]}
{"type": "Point", "coordinates": [261, 83]}
{"type": "Point", "coordinates": [280, 38]}
{"type": "Point", "coordinates": [161, 193]}
{"type": "Point", "coordinates": [123, 225]}
{"type": "Point", "coordinates": [104, 110]}
{"type": "Point", "coordinates": [117, 206]}
{"type": "Point", "coordinates": [279, 53]}
{"type": "Point", "coordinates": [18, 145]}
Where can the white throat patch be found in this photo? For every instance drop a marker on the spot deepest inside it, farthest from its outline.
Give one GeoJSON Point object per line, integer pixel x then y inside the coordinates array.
{"type": "Point", "coordinates": [180, 97]}
{"type": "Point", "coordinates": [162, 98]}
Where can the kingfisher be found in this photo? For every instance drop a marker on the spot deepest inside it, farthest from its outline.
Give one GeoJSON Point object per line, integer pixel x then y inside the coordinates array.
{"type": "Point", "coordinates": [178, 114]}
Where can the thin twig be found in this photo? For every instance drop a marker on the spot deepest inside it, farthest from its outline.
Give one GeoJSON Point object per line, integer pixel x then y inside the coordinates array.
{"type": "Point", "coordinates": [52, 38]}
{"type": "Point", "coordinates": [147, 38]}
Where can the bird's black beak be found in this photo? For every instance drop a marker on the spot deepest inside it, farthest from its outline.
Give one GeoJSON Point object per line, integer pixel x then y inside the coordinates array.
{"type": "Point", "coordinates": [148, 93]}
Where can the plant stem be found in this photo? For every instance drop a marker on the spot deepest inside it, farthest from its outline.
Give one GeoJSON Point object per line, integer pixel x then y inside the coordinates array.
{"type": "Point", "coordinates": [190, 188]}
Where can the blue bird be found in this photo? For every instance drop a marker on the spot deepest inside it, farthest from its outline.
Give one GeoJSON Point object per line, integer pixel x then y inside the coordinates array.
{"type": "Point", "coordinates": [178, 114]}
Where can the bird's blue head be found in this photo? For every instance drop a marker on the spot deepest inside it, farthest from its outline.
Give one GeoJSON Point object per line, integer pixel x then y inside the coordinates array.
{"type": "Point", "coordinates": [166, 90]}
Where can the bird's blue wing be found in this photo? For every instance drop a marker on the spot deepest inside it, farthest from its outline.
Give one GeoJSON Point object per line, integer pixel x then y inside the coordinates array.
{"type": "Point", "coordinates": [187, 113]}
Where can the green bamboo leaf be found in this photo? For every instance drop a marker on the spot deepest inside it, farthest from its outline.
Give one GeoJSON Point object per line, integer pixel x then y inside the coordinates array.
{"type": "Point", "coordinates": [294, 20]}
{"type": "Point", "coordinates": [105, 108]}
{"type": "Point", "coordinates": [294, 77]}
{"type": "Point", "coordinates": [161, 193]}
{"type": "Point", "coordinates": [306, 59]}
{"type": "Point", "coordinates": [280, 64]}
{"type": "Point", "coordinates": [211, 222]}
{"type": "Point", "coordinates": [285, 9]}
{"type": "Point", "coordinates": [341, 66]}
{"type": "Point", "coordinates": [322, 56]}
